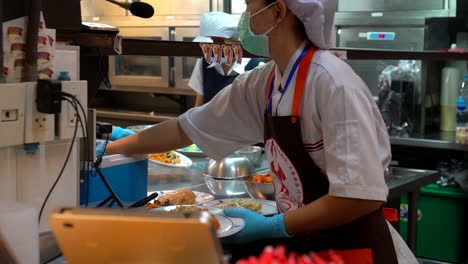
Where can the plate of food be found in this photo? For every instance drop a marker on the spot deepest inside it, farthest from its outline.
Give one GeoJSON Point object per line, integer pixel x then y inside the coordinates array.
{"type": "Point", "coordinates": [192, 150]}
{"type": "Point", "coordinates": [179, 197]}
{"type": "Point", "coordinates": [264, 207]}
{"type": "Point", "coordinates": [170, 159]}
{"type": "Point", "coordinates": [188, 208]}
{"type": "Point", "coordinates": [235, 225]}
{"type": "Point", "coordinates": [225, 226]}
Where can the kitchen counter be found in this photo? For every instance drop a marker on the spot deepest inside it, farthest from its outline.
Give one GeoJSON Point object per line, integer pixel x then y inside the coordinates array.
{"type": "Point", "coordinates": [400, 181]}
{"type": "Point", "coordinates": [164, 178]}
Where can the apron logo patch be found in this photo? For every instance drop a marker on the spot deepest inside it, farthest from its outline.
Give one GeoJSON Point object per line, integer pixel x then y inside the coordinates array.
{"type": "Point", "coordinates": [288, 186]}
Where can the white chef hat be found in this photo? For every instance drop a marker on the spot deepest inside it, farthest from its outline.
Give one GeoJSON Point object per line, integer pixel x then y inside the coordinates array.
{"type": "Point", "coordinates": [317, 17]}
{"type": "Point", "coordinates": [217, 24]}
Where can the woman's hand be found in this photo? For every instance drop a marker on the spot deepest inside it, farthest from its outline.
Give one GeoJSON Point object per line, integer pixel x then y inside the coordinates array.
{"type": "Point", "coordinates": [257, 226]}
{"type": "Point", "coordinates": [119, 133]}
{"type": "Point", "coordinates": [100, 150]}
{"type": "Point", "coordinates": [160, 138]}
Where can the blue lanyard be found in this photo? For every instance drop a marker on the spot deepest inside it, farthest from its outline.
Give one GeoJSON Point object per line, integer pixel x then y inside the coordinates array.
{"type": "Point", "coordinates": [288, 81]}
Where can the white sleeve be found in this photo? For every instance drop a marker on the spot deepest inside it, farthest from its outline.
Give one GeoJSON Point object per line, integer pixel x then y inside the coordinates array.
{"type": "Point", "coordinates": [232, 119]}
{"type": "Point", "coordinates": [351, 137]}
{"type": "Point", "coordinates": [196, 80]}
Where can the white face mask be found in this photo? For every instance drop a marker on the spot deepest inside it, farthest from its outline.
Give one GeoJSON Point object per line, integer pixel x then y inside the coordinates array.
{"type": "Point", "coordinates": [255, 44]}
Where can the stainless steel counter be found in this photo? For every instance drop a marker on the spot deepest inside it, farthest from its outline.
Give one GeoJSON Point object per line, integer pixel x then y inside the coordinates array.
{"type": "Point", "coordinates": [400, 181]}
{"type": "Point", "coordinates": [162, 178]}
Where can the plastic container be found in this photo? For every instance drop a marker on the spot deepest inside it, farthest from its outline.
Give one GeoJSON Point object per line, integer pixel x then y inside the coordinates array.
{"type": "Point", "coordinates": [128, 176]}
{"type": "Point", "coordinates": [64, 76]}
{"type": "Point", "coordinates": [462, 112]}
{"type": "Point", "coordinates": [450, 84]}
{"type": "Point", "coordinates": [441, 223]}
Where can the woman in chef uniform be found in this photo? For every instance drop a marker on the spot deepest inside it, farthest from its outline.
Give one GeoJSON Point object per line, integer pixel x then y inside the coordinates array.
{"type": "Point", "coordinates": [324, 137]}
{"type": "Point", "coordinates": [207, 80]}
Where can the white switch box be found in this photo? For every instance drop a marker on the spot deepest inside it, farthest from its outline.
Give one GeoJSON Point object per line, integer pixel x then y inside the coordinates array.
{"type": "Point", "coordinates": [67, 118]}
{"type": "Point", "coordinates": [12, 106]}
{"type": "Point", "coordinates": [38, 127]}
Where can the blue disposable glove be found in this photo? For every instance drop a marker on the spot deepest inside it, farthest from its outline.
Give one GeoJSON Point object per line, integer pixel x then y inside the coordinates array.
{"type": "Point", "coordinates": [257, 227]}
{"type": "Point", "coordinates": [119, 133]}
{"type": "Point", "coordinates": [100, 149]}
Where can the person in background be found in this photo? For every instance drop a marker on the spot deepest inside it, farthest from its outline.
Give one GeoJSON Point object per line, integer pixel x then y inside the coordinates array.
{"type": "Point", "coordinates": [208, 80]}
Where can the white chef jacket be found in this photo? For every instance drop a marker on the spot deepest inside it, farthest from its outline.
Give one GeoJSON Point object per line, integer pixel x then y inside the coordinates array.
{"type": "Point", "coordinates": [342, 128]}
{"type": "Point", "coordinates": [196, 79]}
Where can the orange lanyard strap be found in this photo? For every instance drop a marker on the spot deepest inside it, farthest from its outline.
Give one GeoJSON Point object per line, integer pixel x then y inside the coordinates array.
{"type": "Point", "coordinates": [301, 79]}
{"type": "Point", "coordinates": [269, 85]}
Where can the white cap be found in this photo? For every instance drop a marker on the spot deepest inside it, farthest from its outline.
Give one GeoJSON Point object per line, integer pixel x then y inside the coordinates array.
{"type": "Point", "coordinates": [317, 17]}
{"type": "Point", "coordinates": [217, 24]}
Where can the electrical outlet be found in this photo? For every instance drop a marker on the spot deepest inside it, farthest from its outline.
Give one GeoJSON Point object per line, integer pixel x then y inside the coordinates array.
{"type": "Point", "coordinates": [67, 118]}
{"type": "Point", "coordinates": [71, 116]}
{"type": "Point", "coordinates": [9, 115]}
{"type": "Point", "coordinates": [12, 104]}
{"type": "Point", "coordinates": [38, 127]}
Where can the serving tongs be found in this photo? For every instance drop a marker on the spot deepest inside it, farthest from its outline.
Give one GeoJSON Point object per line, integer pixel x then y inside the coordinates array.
{"type": "Point", "coordinates": [110, 201]}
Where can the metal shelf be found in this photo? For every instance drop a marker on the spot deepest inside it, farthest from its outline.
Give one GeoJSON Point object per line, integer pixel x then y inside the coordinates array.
{"type": "Point", "coordinates": [151, 117]}
{"type": "Point", "coordinates": [98, 44]}
{"type": "Point", "coordinates": [371, 54]}
{"type": "Point", "coordinates": [161, 90]}
{"type": "Point", "coordinates": [101, 44]}
{"type": "Point", "coordinates": [440, 140]}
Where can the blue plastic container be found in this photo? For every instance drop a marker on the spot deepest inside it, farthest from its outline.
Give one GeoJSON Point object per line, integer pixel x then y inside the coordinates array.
{"type": "Point", "coordinates": [128, 176]}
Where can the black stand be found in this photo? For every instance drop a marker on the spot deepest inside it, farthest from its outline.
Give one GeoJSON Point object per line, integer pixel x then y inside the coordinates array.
{"type": "Point", "coordinates": [109, 188]}
{"type": "Point", "coordinates": [113, 198]}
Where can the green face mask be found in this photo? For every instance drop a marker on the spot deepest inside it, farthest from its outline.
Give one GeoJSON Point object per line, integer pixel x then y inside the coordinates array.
{"type": "Point", "coordinates": [255, 44]}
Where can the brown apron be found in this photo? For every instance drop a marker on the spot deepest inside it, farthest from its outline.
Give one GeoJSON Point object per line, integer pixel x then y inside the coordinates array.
{"type": "Point", "coordinates": [284, 137]}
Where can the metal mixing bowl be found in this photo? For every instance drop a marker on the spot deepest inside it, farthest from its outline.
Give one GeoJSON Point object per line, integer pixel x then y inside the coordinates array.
{"type": "Point", "coordinates": [229, 168]}
{"type": "Point", "coordinates": [225, 187]}
{"type": "Point", "coordinates": [258, 190]}
{"type": "Point", "coordinates": [253, 153]}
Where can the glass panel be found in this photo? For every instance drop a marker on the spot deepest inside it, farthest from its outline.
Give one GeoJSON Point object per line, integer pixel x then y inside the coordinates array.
{"type": "Point", "coordinates": [378, 37]}
{"type": "Point", "coordinates": [389, 5]}
{"type": "Point", "coordinates": [188, 63]}
{"type": "Point", "coordinates": [98, 8]}
{"type": "Point", "coordinates": [173, 8]}
{"type": "Point", "coordinates": [139, 65]}
{"type": "Point", "coordinates": [396, 88]}
{"type": "Point", "coordinates": [238, 6]}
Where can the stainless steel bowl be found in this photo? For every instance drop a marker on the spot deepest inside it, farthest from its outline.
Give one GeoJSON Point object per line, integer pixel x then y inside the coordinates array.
{"type": "Point", "coordinates": [253, 153]}
{"type": "Point", "coordinates": [225, 187]}
{"type": "Point", "coordinates": [257, 190]}
{"type": "Point", "coordinates": [231, 167]}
